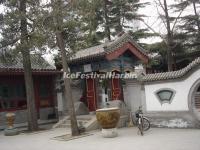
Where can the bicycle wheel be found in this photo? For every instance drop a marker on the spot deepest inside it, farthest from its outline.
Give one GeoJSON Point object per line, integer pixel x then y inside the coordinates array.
{"type": "Point", "coordinates": [140, 126]}
{"type": "Point", "coordinates": [146, 124]}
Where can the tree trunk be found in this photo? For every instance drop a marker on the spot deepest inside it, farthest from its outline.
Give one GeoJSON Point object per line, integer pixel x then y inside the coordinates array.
{"type": "Point", "coordinates": [170, 60]}
{"type": "Point", "coordinates": [31, 109]}
{"type": "Point", "coordinates": [107, 26]}
{"type": "Point", "coordinates": [58, 20]}
{"type": "Point", "coordinates": [68, 92]}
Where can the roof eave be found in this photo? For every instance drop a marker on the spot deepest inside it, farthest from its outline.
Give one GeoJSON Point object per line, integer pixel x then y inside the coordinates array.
{"type": "Point", "coordinates": [86, 58]}
{"type": "Point", "coordinates": [34, 71]}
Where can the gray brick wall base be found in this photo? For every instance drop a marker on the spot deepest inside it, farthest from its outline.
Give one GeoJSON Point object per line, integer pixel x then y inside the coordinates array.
{"type": "Point", "coordinates": [181, 119]}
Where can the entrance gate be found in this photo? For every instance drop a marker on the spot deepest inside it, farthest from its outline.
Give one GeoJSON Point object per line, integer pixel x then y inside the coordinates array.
{"type": "Point", "coordinates": [91, 94]}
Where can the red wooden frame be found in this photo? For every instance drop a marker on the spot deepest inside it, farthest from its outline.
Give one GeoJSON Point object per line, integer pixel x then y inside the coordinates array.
{"type": "Point", "coordinates": [127, 46]}
{"type": "Point", "coordinates": [117, 93]}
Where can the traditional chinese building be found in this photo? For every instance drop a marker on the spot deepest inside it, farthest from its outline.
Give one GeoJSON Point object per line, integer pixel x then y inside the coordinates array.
{"type": "Point", "coordinates": [169, 99]}
{"type": "Point", "coordinates": [119, 56]}
{"type": "Point", "coordinates": [12, 89]}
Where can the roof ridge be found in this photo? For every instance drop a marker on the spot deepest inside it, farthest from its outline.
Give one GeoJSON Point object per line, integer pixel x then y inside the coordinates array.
{"type": "Point", "coordinates": [171, 74]}
{"type": "Point", "coordinates": [120, 41]}
{"type": "Point", "coordinates": [105, 48]}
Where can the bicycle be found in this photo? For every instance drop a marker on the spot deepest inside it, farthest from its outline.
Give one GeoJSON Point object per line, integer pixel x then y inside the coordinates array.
{"type": "Point", "coordinates": [142, 122]}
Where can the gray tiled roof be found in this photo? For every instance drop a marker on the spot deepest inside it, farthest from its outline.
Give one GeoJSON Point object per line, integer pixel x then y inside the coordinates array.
{"type": "Point", "coordinates": [105, 48]}
{"type": "Point", "coordinates": [117, 43]}
{"type": "Point", "coordinates": [37, 63]}
{"type": "Point", "coordinates": [171, 75]}
{"type": "Point", "coordinates": [89, 52]}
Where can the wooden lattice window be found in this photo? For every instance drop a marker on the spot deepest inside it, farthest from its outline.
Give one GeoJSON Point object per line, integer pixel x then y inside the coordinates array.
{"type": "Point", "coordinates": [12, 96]}
{"type": "Point", "coordinates": [45, 93]}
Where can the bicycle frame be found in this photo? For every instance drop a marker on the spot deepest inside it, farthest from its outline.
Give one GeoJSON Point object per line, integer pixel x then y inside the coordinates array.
{"type": "Point", "coordinates": [142, 122]}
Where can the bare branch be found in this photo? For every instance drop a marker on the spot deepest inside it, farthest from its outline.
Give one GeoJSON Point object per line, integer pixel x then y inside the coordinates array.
{"type": "Point", "coordinates": [9, 43]}
{"type": "Point", "coordinates": [178, 17]}
{"type": "Point", "coordinates": [158, 34]}
{"type": "Point", "coordinates": [160, 4]}
{"type": "Point", "coordinates": [160, 15]}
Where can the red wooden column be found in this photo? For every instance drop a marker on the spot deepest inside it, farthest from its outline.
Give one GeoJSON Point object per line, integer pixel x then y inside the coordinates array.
{"type": "Point", "coordinates": [91, 94]}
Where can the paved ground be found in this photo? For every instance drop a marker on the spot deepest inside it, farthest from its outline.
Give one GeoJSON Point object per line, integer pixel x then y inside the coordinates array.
{"type": "Point", "coordinates": [128, 139]}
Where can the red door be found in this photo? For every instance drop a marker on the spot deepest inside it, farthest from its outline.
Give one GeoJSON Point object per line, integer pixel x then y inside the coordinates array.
{"type": "Point", "coordinates": [91, 94]}
{"type": "Point", "coordinates": [116, 89]}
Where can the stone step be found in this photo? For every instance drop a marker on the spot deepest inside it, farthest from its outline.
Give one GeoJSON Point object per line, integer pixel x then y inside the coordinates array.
{"type": "Point", "coordinates": [78, 121]}
{"type": "Point", "coordinates": [64, 126]}
{"type": "Point", "coordinates": [65, 122]}
{"type": "Point", "coordinates": [83, 117]}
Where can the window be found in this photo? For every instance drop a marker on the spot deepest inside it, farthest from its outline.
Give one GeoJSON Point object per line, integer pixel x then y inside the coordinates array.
{"type": "Point", "coordinates": [20, 90]}
{"type": "Point", "coordinates": [198, 90]}
{"type": "Point", "coordinates": [165, 95]}
{"type": "Point", "coordinates": [45, 94]}
{"type": "Point", "coordinates": [44, 90]}
{"type": "Point", "coordinates": [12, 96]}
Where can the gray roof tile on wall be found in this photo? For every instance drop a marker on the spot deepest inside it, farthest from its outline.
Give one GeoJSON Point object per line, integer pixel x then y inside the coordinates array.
{"type": "Point", "coordinates": [171, 75]}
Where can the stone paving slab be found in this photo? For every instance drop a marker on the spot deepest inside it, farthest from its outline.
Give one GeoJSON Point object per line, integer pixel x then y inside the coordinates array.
{"type": "Point", "coordinates": [68, 137]}
{"type": "Point", "coordinates": [128, 139]}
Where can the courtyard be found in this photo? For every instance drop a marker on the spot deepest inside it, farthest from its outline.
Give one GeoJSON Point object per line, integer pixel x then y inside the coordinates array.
{"type": "Point", "coordinates": [128, 139]}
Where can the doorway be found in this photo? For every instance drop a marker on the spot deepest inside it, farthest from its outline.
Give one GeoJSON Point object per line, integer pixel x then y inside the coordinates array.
{"type": "Point", "coordinates": [194, 99]}
{"type": "Point", "coordinates": [91, 94]}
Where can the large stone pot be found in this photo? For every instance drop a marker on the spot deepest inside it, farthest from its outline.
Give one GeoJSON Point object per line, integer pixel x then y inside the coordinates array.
{"type": "Point", "coordinates": [108, 119]}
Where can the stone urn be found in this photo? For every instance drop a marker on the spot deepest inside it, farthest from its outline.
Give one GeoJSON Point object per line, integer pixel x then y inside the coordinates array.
{"type": "Point", "coordinates": [10, 130]}
{"type": "Point", "coordinates": [10, 118]}
{"type": "Point", "coordinates": [108, 118]}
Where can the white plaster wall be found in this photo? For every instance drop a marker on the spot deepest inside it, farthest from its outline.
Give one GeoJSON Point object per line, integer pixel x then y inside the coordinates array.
{"type": "Point", "coordinates": [132, 95]}
{"type": "Point", "coordinates": [76, 95]}
{"type": "Point", "coordinates": [180, 100]}
{"type": "Point", "coordinates": [60, 101]}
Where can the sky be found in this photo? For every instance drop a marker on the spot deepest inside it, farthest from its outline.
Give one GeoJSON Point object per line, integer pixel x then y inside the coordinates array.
{"type": "Point", "coordinates": [150, 11]}
{"type": "Point", "coordinates": [151, 16]}
{"type": "Point", "coordinates": [153, 20]}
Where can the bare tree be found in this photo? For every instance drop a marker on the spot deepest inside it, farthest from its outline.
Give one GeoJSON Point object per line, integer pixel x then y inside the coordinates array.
{"type": "Point", "coordinates": [169, 24]}
{"type": "Point", "coordinates": [196, 15]}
